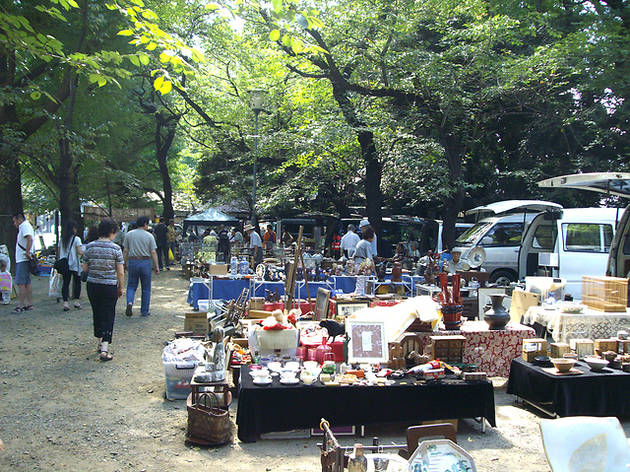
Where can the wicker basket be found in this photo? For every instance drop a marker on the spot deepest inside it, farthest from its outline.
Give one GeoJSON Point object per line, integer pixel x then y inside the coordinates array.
{"type": "Point", "coordinates": [207, 424]}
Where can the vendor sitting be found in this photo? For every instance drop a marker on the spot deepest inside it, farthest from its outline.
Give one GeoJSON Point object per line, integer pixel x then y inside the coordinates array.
{"type": "Point", "coordinates": [455, 263]}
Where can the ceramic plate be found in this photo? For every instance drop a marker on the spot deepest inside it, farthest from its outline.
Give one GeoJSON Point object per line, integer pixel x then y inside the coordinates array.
{"type": "Point", "coordinates": [263, 381]}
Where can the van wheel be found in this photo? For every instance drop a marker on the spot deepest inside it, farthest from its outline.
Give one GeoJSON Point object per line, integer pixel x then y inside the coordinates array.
{"type": "Point", "coordinates": [502, 277]}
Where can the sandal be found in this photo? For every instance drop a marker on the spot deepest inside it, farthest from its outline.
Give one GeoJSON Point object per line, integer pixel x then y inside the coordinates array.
{"type": "Point", "coordinates": [106, 357]}
{"type": "Point", "coordinates": [18, 309]}
{"type": "Point", "coordinates": [66, 308]}
{"type": "Point", "coordinates": [28, 308]}
{"type": "Point", "coordinates": [77, 306]}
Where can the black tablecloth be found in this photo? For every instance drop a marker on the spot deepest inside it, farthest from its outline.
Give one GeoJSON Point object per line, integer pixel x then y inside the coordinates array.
{"type": "Point", "coordinates": [589, 394]}
{"type": "Point", "coordinates": [282, 408]}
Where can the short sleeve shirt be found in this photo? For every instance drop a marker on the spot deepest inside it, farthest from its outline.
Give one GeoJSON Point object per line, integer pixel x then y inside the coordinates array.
{"type": "Point", "coordinates": [363, 250]}
{"type": "Point", "coordinates": [254, 240]}
{"type": "Point", "coordinates": [102, 259]}
{"type": "Point", "coordinates": [25, 229]}
{"type": "Point", "coordinates": [71, 253]}
{"type": "Point", "coordinates": [140, 243]}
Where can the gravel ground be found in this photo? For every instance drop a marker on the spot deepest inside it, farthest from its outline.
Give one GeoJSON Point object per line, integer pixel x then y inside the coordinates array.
{"type": "Point", "coordinates": [62, 409]}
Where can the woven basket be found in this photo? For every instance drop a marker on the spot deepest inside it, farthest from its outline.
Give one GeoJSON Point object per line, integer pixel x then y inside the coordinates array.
{"type": "Point", "coordinates": [206, 423]}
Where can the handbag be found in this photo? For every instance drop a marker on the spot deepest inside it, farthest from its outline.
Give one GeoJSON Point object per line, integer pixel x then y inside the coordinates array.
{"type": "Point", "coordinates": [210, 424]}
{"type": "Point", "coordinates": [33, 266]}
{"type": "Point", "coordinates": [62, 265]}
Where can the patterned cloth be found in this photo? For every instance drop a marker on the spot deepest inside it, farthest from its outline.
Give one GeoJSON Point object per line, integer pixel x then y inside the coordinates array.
{"type": "Point", "coordinates": [590, 324]}
{"type": "Point", "coordinates": [492, 351]}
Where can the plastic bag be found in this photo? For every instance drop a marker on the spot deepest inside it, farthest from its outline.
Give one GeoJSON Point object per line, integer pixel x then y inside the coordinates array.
{"type": "Point", "coordinates": [54, 284]}
{"type": "Point", "coordinates": [171, 256]}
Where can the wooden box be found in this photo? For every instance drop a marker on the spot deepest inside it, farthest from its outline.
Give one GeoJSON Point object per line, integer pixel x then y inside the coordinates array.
{"type": "Point", "coordinates": [534, 347]}
{"type": "Point", "coordinates": [583, 347]}
{"type": "Point", "coordinates": [448, 348]}
{"type": "Point", "coordinates": [472, 376]}
{"type": "Point", "coordinates": [605, 293]}
{"type": "Point", "coordinates": [603, 345]}
{"type": "Point", "coordinates": [623, 346]}
{"type": "Point", "coordinates": [197, 322]}
{"type": "Point", "coordinates": [257, 303]}
{"type": "Point", "coordinates": [557, 350]}
{"type": "Point", "coordinates": [218, 269]}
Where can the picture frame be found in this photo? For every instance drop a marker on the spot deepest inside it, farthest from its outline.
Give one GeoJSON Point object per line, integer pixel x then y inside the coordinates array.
{"type": "Point", "coordinates": [368, 343]}
{"type": "Point", "coordinates": [321, 304]}
{"type": "Point", "coordinates": [344, 309]}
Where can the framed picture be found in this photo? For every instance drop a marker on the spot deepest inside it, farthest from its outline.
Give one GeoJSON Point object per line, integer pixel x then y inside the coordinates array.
{"type": "Point", "coordinates": [367, 342]}
{"type": "Point", "coordinates": [321, 304]}
{"type": "Point", "coordinates": [347, 308]}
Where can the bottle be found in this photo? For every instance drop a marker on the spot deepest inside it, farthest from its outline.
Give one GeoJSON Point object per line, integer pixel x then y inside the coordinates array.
{"type": "Point", "coordinates": [234, 266]}
{"type": "Point", "coordinates": [244, 266]}
{"type": "Point", "coordinates": [357, 462]}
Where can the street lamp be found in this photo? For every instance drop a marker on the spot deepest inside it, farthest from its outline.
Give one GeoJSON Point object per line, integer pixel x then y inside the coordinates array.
{"type": "Point", "coordinates": [257, 99]}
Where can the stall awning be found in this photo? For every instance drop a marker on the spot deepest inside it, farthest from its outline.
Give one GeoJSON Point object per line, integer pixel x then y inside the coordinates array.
{"type": "Point", "coordinates": [209, 217]}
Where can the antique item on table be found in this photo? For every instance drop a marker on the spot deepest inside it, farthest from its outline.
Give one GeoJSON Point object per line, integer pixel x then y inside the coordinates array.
{"type": "Point", "coordinates": [610, 356]}
{"type": "Point", "coordinates": [625, 366]}
{"type": "Point", "coordinates": [602, 345]}
{"type": "Point", "coordinates": [534, 347]}
{"type": "Point", "coordinates": [474, 376]}
{"type": "Point", "coordinates": [333, 328]}
{"type": "Point", "coordinates": [321, 304]}
{"type": "Point", "coordinates": [570, 355]}
{"type": "Point", "coordinates": [596, 364]}
{"type": "Point", "coordinates": [448, 348]}
{"type": "Point", "coordinates": [397, 272]}
{"type": "Point", "coordinates": [559, 349]}
{"type": "Point", "coordinates": [623, 346]}
{"type": "Point", "coordinates": [543, 361]}
{"type": "Point", "coordinates": [357, 462]}
{"type": "Point", "coordinates": [381, 272]}
{"type": "Point", "coordinates": [450, 300]}
{"type": "Point", "coordinates": [583, 347]}
{"type": "Point", "coordinates": [622, 335]}
{"type": "Point", "coordinates": [413, 358]}
{"type": "Point", "coordinates": [208, 425]}
{"type": "Point", "coordinates": [609, 294]}
{"type": "Point", "coordinates": [440, 455]}
{"type": "Point", "coordinates": [322, 350]}
{"type": "Point", "coordinates": [347, 308]}
{"type": "Point", "coordinates": [496, 316]}
{"type": "Point", "coordinates": [256, 303]}
{"type": "Point", "coordinates": [367, 342]}
{"type": "Point", "coordinates": [217, 365]}
{"type": "Point", "coordinates": [563, 365]}
{"type": "Point", "coordinates": [396, 358]}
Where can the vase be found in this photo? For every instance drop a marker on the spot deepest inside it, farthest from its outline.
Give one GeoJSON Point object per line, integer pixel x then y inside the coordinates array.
{"type": "Point", "coordinates": [496, 316]}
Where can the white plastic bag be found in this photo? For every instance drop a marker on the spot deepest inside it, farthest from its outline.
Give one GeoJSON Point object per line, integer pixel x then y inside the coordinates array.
{"type": "Point", "coordinates": [54, 284]}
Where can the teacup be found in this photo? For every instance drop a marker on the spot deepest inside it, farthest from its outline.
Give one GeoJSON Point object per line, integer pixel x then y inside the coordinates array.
{"type": "Point", "coordinates": [308, 379]}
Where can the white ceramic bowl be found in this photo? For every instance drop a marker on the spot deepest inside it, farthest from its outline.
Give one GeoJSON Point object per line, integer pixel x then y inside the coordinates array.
{"type": "Point", "coordinates": [595, 363]}
{"type": "Point", "coordinates": [259, 373]}
{"type": "Point", "coordinates": [274, 366]}
{"type": "Point", "coordinates": [562, 364]}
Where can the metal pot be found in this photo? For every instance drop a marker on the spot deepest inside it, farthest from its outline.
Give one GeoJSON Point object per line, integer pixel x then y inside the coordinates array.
{"type": "Point", "coordinates": [496, 315]}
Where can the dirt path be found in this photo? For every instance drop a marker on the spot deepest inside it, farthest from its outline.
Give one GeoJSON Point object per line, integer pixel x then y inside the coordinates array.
{"type": "Point", "coordinates": [62, 409]}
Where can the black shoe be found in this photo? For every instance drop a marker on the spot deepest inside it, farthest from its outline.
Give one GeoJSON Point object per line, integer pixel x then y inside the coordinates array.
{"type": "Point", "coordinates": [168, 268]}
{"type": "Point", "coordinates": [145, 314]}
{"type": "Point", "coordinates": [128, 311]}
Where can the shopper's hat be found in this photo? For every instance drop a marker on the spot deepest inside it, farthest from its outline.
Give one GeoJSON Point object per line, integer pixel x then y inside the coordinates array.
{"type": "Point", "coordinates": [363, 223]}
{"type": "Point", "coordinates": [248, 228]}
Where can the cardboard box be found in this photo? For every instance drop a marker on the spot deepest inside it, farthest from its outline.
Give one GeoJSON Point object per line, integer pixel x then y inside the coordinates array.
{"type": "Point", "coordinates": [521, 302]}
{"type": "Point", "coordinates": [218, 269]}
{"type": "Point", "coordinates": [197, 322]}
{"type": "Point", "coordinates": [559, 349]}
{"type": "Point", "coordinates": [534, 347]}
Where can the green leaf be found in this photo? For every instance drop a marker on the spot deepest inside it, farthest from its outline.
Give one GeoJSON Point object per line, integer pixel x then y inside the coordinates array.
{"type": "Point", "coordinates": [212, 6]}
{"type": "Point", "coordinates": [102, 81]}
{"type": "Point", "coordinates": [144, 58]}
{"type": "Point", "coordinates": [297, 45]}
{"type": "Point", "coordinates": [166, 87]}
{"type": "Point", "coordinates": [93, 78]}
{"type": "Point", "coordinates": [36, 95]}
{"type": "Point", "coordinates": [151, 46]}
{"type": "Point", "coordinates": [73, 4]}
{"type": "Point", "coordinates": [164, 57]}
{"type": "Point", "coordinates": [157, 84]}
{"type": "Point", "coordinates": [111, 6]}
{"type": "Point", "coordinates": [277, 5]}
{"type": "Point", "coordinates": [274, 35]}
{"type": "Point", "coordinates": [134, 60]}
{"type": "Point", "coordinates": [126, 32]}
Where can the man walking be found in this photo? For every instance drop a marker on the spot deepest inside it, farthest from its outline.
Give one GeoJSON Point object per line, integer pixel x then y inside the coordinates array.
{"type": "Point", "coordinates": [139, 251]}
{"type": "Point", "coordinates": [349, 241]}
{"type": "Point", "coordinates": [22, 267]}
{"type": "Point", "coordinates": [160, 231]}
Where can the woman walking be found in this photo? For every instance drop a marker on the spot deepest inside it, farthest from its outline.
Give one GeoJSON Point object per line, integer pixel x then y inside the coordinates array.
{"type": "Point", "coordinates": [71, 249]}
{"type": "Point", "coordinates": [103, 263]}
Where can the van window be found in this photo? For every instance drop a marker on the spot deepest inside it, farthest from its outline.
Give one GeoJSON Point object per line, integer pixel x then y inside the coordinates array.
{"type": "Point", "coordinates": [503, 234]}
{"type": "Point", "coordinates": [471, 234]}
{"type": "Point", "coordinates": [587, 237]}
{"type": "Point", "coordinates": [544, 237]}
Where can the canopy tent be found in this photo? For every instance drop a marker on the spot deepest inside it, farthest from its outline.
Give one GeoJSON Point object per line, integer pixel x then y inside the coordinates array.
{"type": "Point", "coordinates": [209, 217]}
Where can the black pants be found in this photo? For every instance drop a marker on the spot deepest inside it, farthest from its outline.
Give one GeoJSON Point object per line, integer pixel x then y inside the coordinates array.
{"type": "Point", "coordinates": [76, 285]}
{"type": "Point", "coordinates": [103, 299]}
{"type": "Point", "coordinates": [162, 252]}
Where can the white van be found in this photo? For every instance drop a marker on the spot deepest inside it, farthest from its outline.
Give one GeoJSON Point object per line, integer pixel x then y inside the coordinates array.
{"type": "Point", "coordinates": [500, 236]}
{"type": "Point", "coordinates": [609, 183]}
{"type": "Point", "coordinates": [568, 244]}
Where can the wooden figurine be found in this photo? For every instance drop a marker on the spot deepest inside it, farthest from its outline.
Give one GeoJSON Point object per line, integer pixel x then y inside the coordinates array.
{"type": "Point", "coordinates": [218, 355]}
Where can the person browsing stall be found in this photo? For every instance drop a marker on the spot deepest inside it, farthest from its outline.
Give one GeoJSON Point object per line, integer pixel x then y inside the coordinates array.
{"type": "Point", "coordinates": [71, 249]}
{"type": "Point", "coordinates": [255, 244]}
{"type": "Point", "coordinates": [140, 250]}
{"type": "Point", "coordinates": [363, 250]}
{"type": "Point", "coordinates": [349, 241]}
{"type": "Point", "coordinates": [23, 255]}
{"type": "Point", "coordinates": [269, 238]}
{"type": "Point", "coordinates": [373, 243]}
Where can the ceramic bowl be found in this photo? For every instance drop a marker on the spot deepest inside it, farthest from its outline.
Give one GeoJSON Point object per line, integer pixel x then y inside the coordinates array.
{"type": "Point", "coordinates": [292, 365]}
{"type": "Point", "coordinates": [570, 355]}
{"type": "Point", "coordinates": [595, 363]}
{"type": "Point", "coordinates": [274, 366]}
{"type": "Point", "coordinates": [260, 373]}
{"type": "Point", "coordinates": [310, 365]}
{"type": "Point", "coordinates": [563, 365]}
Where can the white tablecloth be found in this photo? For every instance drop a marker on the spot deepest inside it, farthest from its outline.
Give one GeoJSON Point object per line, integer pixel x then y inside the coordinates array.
{"type": "Point", "coordinates": [591, 324]}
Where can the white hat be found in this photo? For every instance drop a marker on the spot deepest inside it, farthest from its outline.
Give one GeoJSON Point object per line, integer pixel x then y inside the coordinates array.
{"type": "Point", "coordinates": [363, 223]}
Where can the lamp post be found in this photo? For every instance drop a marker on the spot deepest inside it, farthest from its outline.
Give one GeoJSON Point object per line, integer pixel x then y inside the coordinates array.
{"type": "Point", "coordinates": [257, 99]}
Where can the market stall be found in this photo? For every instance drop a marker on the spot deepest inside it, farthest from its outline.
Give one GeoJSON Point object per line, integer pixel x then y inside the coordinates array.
{"type": "Point", "coordinates": [583, 393]}
{"type": "Point", "coordinates": [278, 407]}
{"type": "Point", "coordinates": [491, 350]}
{"type": "Point", "coordinates": [587, 323]}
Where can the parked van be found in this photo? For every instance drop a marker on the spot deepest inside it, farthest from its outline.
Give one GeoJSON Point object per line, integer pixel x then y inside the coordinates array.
{"type": "Point", "coordinates": [568, 244]}
{"type": "Point", "coordinates": [609, 183]}
{"type": "Point", "coordinates": [500, 236]}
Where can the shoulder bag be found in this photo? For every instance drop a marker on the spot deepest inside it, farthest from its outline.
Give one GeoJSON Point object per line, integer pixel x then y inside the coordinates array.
{"type": "Point", "coordinates": [62, 265]}
{"type": "Point", "coordinates": [33, 266]}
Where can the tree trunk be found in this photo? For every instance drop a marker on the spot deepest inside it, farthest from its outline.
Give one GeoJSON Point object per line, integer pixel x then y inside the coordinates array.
{"type": "Point", "coordinates": [11, 201]}
{"type": "Point", "coordinates": [369, 154]}
{"type": "Point", "coordinates": [453, 204]}
{"type": "Point", "coordinates": [162, 147]}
